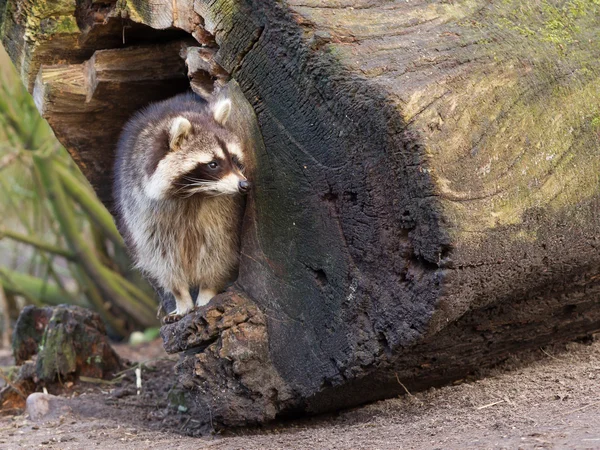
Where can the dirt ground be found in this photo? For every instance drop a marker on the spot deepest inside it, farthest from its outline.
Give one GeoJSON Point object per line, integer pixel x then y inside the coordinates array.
{"type": "Point", "coordinates": [549, 398]}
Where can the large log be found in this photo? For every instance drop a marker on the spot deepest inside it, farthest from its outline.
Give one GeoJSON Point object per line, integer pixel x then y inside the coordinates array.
{"type": "Point", "coordinates": [426, 180]}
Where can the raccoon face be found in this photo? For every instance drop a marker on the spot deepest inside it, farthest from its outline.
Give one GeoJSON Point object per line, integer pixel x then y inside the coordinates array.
{"type": "Point", "coordinates": [199, 156]}
{"type": "Point", "coordinates": [217, 170]}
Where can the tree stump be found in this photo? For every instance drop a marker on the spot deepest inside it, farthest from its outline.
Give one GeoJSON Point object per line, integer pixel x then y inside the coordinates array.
{"type": "Point", "coordinates": [426, 179]}
{"type": "Point", "coordinates": [53, 345]}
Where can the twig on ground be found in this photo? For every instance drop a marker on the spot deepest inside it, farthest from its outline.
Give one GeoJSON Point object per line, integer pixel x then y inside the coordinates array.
{"type": "Point", "coordinates": [5, 310]}
{"type": "Point", "coordinates": [100, 380]}
{"type": "Point", "coordinates": [138, 380]}
{"type": "Point", "coordinates": [491, 404]}
{"type": "Point", "coordinates": [185, 423]}
{"type": "Point", "coordinates": [11, 384]}
{"type": "Point", "coordinates": [404, 387]}
{"type": "Point", "coordinates": [589, 405]}
{"type": "Point", "coordinates": [548, 354]}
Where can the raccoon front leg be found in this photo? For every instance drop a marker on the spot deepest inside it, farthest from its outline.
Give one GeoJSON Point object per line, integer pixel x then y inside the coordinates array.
{"type": "Point", "coordinates": [204, 296]}
{"type": "Point", "coordinates": [183, 304]}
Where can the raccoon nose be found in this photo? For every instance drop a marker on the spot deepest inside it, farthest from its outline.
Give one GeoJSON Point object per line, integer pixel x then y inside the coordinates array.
{"type": "Point", "coordinates": [244, 186]}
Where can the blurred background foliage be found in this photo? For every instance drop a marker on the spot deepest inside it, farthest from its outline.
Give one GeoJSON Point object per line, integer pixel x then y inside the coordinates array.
{"type": "Point", "coordinates": [58, 244]}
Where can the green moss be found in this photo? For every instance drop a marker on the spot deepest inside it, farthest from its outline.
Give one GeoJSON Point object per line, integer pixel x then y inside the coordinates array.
{"type": "Point", "coordinates": [544, 154]}
{"type": "Point", "coordinates": [61, 25]}
{"type": "Point", "coordinates": [523, 127]}
{"type": "Point", "coordinates": [136, 10]}
{"type": "Point", "coordinates": [224, 13]}
{"type": "Point", "coordinates": [558, 22]}
{"type": "Point", "coordinates": [4, 11]}
{"type": "Point", "coordinates": [7, 10]}
{"type": "Point", "coordinates": [526, 235]}
{"type": "Point", "coordinates": [48, 18]}
{"type": "Point", "coordinates": [177, 400]}
{"type": "Point", "coordinates": [57, 354]}
{"type": "Point", "coordinates": [93, 360]}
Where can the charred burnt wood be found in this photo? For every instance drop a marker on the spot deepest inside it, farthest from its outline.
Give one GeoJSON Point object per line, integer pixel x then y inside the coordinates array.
{"type": "Point", "coordinates": [427, 197]}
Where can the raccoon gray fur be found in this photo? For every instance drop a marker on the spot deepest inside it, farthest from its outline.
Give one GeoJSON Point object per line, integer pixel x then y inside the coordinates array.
{"type": "Point", "coordinates": [178, 178]}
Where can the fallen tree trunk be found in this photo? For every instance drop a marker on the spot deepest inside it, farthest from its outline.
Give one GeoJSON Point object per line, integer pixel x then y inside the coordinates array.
{"type": "Point", "coordinates": [426, 179]}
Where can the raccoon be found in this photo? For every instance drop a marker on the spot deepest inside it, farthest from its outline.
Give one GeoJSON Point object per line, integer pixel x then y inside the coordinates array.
{"type": "Point", "coordinates": [178, 178]}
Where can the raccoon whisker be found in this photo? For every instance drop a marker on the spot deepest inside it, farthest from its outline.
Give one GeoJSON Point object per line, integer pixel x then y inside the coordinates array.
{"type": "Point", "coordinates": [204, 185]}
{"type": "Point", "coordinates": [182, 187]}
{"type": "Point", "coordinates": [207, 193]}
{"type": "Point", "coordinates": [206, 190]}
{"type": "Point", "coordinates": [194, 180]}
{"type": "Point", "coordinates": [197, 188]}
{"type": "Point", "coordinates": [197, 180]}
{"type": "Point", "coordinates": [193, 184]}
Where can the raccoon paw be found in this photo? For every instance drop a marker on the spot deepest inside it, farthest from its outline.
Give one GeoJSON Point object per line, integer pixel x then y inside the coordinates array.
{"type": "Point", "coordinates": [172, 318]}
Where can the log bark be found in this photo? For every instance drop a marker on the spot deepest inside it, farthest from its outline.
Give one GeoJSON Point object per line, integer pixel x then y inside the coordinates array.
{"type": "Point", "coordinates": [426, 180]}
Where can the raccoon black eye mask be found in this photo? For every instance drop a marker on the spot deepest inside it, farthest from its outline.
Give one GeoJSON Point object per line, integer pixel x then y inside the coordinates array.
{"type": "Point", "coordinates": [178, 179]}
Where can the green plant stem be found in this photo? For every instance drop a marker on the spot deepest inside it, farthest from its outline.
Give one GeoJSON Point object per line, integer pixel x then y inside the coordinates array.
{"type": "Point", "coordinates": [35, 290]}
{"type": "Point", "coordinates": [45, 259]}
{"type": "Point", "coordinates": [131, 288]}
{"type": "Point", "coordinates": [93, 268]}
{"type": "Point", "coordinates": [12, 120]}
{"type": "Point", "coordinates": [5, 312]}
{"type": "Point", "coordinates": [95, 298]}
{"type": "Point", "coordinates": [130, 303]}
{"type": "Point", "coordinates": [86, 199]}
{"type": "Point", "coordinates": [36, 243]}
{"type": "Point", "coordinates": [90, 204]}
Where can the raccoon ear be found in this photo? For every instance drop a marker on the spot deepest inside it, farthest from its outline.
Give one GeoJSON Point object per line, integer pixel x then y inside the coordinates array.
{"type": "Point", "coordinates": [221, 110]}
{"type": "Point", "coordinates": [180, 129]}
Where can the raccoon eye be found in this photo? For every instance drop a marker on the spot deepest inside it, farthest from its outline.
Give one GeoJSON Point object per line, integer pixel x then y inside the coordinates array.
{"type": "Point", "coordinates": [213, 165]}
{"type": "Point", "coordinates": [237, 162]}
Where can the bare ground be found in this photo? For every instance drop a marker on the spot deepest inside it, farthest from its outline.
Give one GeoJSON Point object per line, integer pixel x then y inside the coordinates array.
{"type": "Point", "coordinates": [549, 398]}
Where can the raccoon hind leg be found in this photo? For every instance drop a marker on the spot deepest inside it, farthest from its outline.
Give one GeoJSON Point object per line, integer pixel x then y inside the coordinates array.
{"type": "Point", "coordinates": [183, 304]}
{"type": "Point", "coordinates": [204, 296]}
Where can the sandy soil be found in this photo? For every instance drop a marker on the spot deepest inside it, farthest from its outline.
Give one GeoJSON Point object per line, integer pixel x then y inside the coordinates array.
{"type": "Point", "coordinates": [549, 398]}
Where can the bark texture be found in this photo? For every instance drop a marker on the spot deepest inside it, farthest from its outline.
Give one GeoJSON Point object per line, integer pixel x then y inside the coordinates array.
{"type": "Point", "coordinates": [53, 345]}
{"type": "Point", "coordinates": [67, 341]}
{"type": "Point", "coordinates": [426, 179]}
